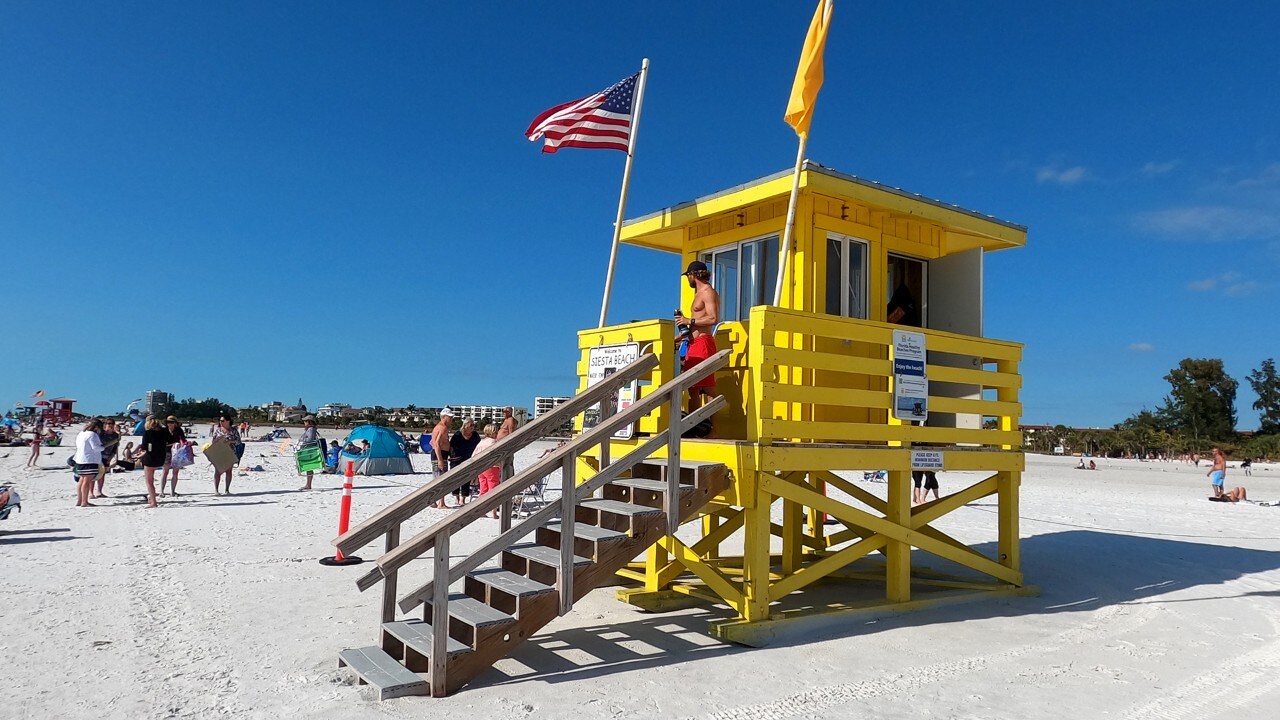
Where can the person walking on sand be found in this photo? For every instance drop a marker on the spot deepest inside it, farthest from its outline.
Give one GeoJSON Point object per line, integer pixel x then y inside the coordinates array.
{"type": "Point", "coordinates": [490, 478]}
{"type": "Point", "coordinates": [110, 446]}
{"type": "Point", "coordinates": [1218, 473]}
{"type": "Point", "coordinates": [88, 459]}
{"type": "Point", "coordinates": [224, 432]}
{"type": "Point", "coordinates": [705, 313]}
{"type": "Point", "coordinates": [509, 423]}
{"type": "Point", "coordinates": [310, 436]}
{"type": "Point", "coordinates": [155, 448]}
{"type": "Point", "coordinates": [175, 436]}
{"type": "Point", "coordinates": [440, 447]}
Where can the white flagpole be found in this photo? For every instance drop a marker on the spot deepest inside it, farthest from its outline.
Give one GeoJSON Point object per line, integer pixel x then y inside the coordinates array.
{"type": "Point", "coordinates": [626, 185]}
{"type": "Point", "coordinates": [784, 255]}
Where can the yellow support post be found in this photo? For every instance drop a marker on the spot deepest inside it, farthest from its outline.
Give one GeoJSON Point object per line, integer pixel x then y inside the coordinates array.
{"type": "Point", "coordinates": [898, 572]}
{"type": "Point", "coordinates": [792, 531]}
{"type": "Point", "coordinates": [1007, 499]}
{"type": "Point", "coordinates": [755, 560]}
{"type": "Point", "coordinates": [816, 520]}
{"type": "Point", "coordinates": [655, 559]}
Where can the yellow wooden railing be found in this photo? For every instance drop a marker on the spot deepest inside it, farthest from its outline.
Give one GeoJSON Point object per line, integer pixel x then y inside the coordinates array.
{"type": "Point", "coordinates": [821, 378]}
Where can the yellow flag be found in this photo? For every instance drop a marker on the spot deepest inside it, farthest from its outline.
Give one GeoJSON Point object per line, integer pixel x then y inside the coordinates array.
{"type": "Point", "coordinates": [804, 91]}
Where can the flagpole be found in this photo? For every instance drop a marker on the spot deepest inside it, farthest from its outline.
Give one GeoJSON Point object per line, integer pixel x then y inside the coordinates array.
{"type": "Point", "coordinates": [784, 254]}
{"type": "Point", "coordinates": [626, 185]}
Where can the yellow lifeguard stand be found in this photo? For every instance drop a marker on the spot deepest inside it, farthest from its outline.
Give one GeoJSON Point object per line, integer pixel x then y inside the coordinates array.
{"type": "Point", "coordinates": [819, 386]}
{"type": "Point", "coordinates": [811, 393]}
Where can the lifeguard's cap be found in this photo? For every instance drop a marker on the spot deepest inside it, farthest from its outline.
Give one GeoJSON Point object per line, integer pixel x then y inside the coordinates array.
{"type": "Point", "coordinates": [695, 266]}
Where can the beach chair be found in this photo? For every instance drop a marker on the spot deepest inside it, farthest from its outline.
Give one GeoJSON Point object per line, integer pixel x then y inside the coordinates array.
{"type": "Point", "coordinates": [532, 494]}
{"type": "Point", "coordinates": [14, 502]}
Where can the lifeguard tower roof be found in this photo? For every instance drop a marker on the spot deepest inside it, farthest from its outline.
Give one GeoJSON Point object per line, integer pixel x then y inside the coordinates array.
{"type": "Point", "coordinates": [663, 230]}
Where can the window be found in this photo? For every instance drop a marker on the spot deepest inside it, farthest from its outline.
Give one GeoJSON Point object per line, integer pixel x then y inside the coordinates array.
{"type": "Point", "coordinates": [745, 274]}
{"type": "Point", "coordinates": [846, 277]}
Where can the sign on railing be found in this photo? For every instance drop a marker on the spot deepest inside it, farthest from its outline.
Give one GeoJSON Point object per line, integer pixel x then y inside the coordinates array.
{"type": "Point", "coordinates": [910, 382]}
{"type": "Point", "coordinates": [603, 361]}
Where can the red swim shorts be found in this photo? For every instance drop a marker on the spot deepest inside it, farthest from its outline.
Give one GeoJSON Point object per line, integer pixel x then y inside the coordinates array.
{"type": "Point", "coordinates": [701, 348]}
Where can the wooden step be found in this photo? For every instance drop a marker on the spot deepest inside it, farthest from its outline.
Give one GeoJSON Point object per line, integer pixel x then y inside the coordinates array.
{"type": "Point", "coordinates": [373, 666]}
{"type": "Point", "coordinates": [588, 532]}
{"type": "Point", "coordinates": [657, 486]}
{"type": "Point", "coordinates": [416, 635]}
{"type": "Point", "coordinates": [504, 590]}
{"type": "Point", "coordinates": [509, 582]}
{"type": "Point", "coordinates": [543, 554]}
{"type": "Point", "coordinates": [475, 613]}
{"type": "Point", "coordinates": [617, 508]}
{"type": "Point", "coordinates": [614, 514]}
{"type": "Point", "coordinates": [695, 472]}
{"type": "Point", "coordinates": [587, 539]}
{"type": "Point", "coordinates": [537, 562]}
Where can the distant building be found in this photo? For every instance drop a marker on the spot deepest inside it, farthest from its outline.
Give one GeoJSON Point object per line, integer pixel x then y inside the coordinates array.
{"type": "Point", "coordinates": [544, 405]}
{"type": "Point", "coordinates": [333, 410]}
{"type": "Point", "coordinates": [155, 399]}
{"type": "Point", "coordinates": [493, 412]}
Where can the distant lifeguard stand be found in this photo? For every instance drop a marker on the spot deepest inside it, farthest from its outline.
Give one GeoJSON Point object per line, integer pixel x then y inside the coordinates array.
{"type": "Point", "coordinates": [811, 391]}
{"type": "Point", "coordinates": [58, 411]}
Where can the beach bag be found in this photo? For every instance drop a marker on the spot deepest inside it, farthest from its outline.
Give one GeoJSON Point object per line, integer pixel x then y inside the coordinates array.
{"type": "Point", "coordinates": [182, 455]}
{"type": "Point", "coordinates": [310, 458]}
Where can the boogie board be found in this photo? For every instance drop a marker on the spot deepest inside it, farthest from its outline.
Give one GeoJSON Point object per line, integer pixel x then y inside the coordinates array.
{"type": "Point", "coordinates": [221, 455]}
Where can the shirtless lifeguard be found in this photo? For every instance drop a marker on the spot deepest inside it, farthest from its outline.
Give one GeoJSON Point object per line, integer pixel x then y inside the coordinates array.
{"type": "Point", "coordinates": [705, 313]}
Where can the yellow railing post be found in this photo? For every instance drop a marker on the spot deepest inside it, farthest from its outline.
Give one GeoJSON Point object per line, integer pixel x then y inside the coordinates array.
{"type": "Point", "coordinates": [898, 512]}
{"type": "Point", "coordinates": [1007, 394]}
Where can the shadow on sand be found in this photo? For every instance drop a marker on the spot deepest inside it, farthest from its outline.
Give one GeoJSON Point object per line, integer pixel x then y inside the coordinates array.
{"type": "Point", "coordinates": [1077, 571]}
{"type": "Point", "coordinates": [6, 536]}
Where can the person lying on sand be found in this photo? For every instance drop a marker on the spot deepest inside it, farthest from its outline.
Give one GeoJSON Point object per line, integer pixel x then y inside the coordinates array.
{"type": "Point", "coordinates": [1236, 494]}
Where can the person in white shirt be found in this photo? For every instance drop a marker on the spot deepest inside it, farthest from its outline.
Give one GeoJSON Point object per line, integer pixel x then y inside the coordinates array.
{"type": "Point", "coordinates": [88, 459]}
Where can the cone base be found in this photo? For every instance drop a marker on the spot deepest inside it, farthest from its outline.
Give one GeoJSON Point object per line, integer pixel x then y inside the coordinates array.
{"type": "Point", "coordinates": [347, 560]}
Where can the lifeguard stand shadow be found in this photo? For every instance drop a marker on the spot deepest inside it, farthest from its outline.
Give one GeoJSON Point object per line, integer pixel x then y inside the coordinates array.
{"type": "Point", "coordinates": [1076, 571]}
{"type": "Point", "coordinates": [582, 653]}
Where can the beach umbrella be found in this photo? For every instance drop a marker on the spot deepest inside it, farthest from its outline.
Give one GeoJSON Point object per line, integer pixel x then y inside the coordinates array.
{"type": "Point", "coordinates": [43, 402]}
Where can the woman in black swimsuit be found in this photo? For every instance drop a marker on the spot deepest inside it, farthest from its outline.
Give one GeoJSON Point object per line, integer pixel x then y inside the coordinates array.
{"type": "Point", "coordinates": [155, 444]}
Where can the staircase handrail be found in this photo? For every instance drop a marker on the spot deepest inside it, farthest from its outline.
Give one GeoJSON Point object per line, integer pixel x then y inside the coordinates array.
{"type": "Point", "coordinates": [551, 511]}
{"type": "Point", "coordinates": [393, 515]}
{"type": "Point", "coordinates": [413, 548]}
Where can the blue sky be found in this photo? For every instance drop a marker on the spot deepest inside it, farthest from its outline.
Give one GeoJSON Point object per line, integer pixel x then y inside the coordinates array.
{"type": "Point", "coordinates": [334, 201]}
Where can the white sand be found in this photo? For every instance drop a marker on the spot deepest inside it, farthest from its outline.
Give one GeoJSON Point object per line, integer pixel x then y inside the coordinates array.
{"type": "Point", "coordinates": [1155, 603]}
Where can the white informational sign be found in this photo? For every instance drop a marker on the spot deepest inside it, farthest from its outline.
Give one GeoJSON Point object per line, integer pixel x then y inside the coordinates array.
{"type": "Point", "coordinates": [603, 361]}
{"type": "Point", "coordinates": [910, 384]}
{"type": "Point", "coordinates": [926, 460]}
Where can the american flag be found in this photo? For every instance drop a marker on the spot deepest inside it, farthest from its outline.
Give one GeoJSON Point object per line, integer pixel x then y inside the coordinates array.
{"type": "Point", "coordinates": [602, 120]}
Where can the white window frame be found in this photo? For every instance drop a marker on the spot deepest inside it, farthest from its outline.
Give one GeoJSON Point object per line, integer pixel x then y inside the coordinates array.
{"type": "Point", "coordinates": [848, 240]}
{"type": "Point", "coordinates": [707, 256]}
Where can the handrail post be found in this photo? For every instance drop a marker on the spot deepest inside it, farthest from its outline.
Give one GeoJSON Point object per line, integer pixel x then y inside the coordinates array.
{"type": "Point", "coordinates": [389, 584]}
{"type": "Point", "coordinates": [508, 507]}
{"type": "Point", "coordinates": [606, 412]}
{"type": "Point", "coordinates": [673, 463]}
{"type": "Point", "coordinates": [440, 616]}
{"type": "Point", "coordinates": [568, 508]}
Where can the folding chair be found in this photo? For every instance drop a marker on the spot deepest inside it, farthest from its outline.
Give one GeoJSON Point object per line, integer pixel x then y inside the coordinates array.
{"type": "Point", "coordinates": [532, 493]}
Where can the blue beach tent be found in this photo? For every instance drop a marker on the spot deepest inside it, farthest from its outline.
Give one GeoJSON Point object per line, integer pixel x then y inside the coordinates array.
{"type": "Point", "coordinates": [387, 452]}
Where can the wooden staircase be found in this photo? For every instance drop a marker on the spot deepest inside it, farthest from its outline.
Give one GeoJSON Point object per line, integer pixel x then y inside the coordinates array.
{"type": "Point", "coordinates": [507, 590]}
{"type": "Point", "coordinates": [500, 607]}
